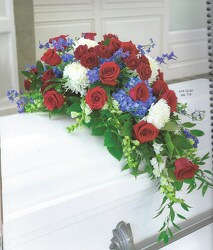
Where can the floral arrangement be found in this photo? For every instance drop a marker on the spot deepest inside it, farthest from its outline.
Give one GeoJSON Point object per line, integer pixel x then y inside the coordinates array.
{"type": "Point", "coordinates": [118, 91]}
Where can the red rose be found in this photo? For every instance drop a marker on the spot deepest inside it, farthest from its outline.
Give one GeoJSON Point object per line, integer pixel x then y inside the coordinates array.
{"type": "Point", "coordinates": [80, 51]}
{"type": "Point", "coordinates": [47, 75]}
{"type": "Point", "coordinates": [53, 99]}
{"type": "Point", "coordinates": [115, 43]}
{"type": "Point", "coordinates": [27, 84]}
{"type": "Point", "coordinates": [144, 59]}
{"type": "Point", "coordinates": [132, 62]}
{"type": "Point", "coordinates": [102, 51]}
{"type": "Point", "coordinates": [184, 169]}
{"type": "Point", "coordinates": [96, 97]}
{"type": "Point", "coordinates": [89, 60]}
{"type": "Point", "coordinates": [145, 132]}
{"type": "Point", "coordinates": [51, 57]}
{"type": "Point", "coordinates": [144, 71]}
{"type": "Point", "coordinates": [159, 87]}
{"type": "Point", "coordinates": [170, 98]}
{"type": "Point", "coordinates": [57, 38]}
{"type": "Point", "coordinates": [89, 35]}
{"type": "Point", "coordinates": [129, 46]}
{"type": "Point", "coordinates": [109, 36]}
{"type": "Point", "coordinates": [139, 92]}
{"type": "Point", "coordinates": [109, 72]}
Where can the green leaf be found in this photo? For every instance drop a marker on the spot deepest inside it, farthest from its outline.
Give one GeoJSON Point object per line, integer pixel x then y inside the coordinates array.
{"type": "Point", "coordinates": [185, 206]}
{"type": "Point", "coordinates": [28, 74]}
{"type": "Point", "coordinates": [170, 126]}
{"type": "Point", "coordinates": [33, 85]}
{"type": "Point", "coordinates": [170, 232]}
{"type": "Point", "coordinates": [58, 80]}
{"type": "Point", "coordinates": [176, 226]}
{"type": "Point", "coordinates": [178, 185]}
{"type": "Point", "coordinates": [98, 131]}
{"type": "Point", "coordinates": [116, 152]}
{"type": "Point", "coordinates": [172, 214]}
{"type": "Point", "coordinates": [74, 99]}
{"type": "Point", "coordinates": [165, 198]}
{"type": "Point", "coordinates": [166, 239]}
{"type": "Point", "coordinates": [169, 144]}
{"type": "Point", "coordinates": [54, 85]}
{"type": "Point", "coordinates": [125, 167]}
{"type": "Point", "coordinates": [126, 129]}
{"type": "Point", "coordinates": [189, 124]}
{"type": "Point", "coordinates": [197, 132]}
{"type": "Point", "coordinates": [208, 172]}
{"type": "Point", "coordinates": [107, 41]}
{"type": "Point", "coordinates": [40, 67]}
{"type": "Point", "coordinates": [75, 107]}
{"type": "Point", "coordinates": [204, 189]}
{"type": "Point", "coordinates": [181, 217]}
{"type": "Point", "coordinates": [181, 142]}
{"type": "Point", "coordinates": [161, 236]}
{"type": "Point", "coordinates": [109, 138]}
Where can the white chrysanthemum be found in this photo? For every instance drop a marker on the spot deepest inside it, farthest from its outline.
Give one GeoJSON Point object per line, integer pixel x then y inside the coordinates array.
{"type": "Point", "coordinates": [76, 76]}
{"type": "Point", "coordinates": [159, 114]}
{"type": "Point", "coordinates": [83, 41]}
{"type": "Point", "coordinates": [154, 67]}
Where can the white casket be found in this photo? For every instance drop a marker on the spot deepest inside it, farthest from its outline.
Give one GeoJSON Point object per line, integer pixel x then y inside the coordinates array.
{"type": "Point", "coordinates": [64, 191]}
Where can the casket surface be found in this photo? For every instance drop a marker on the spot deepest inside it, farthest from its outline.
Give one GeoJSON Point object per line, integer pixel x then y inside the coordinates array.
{"type": "Point", "coordinates": [66, 192]}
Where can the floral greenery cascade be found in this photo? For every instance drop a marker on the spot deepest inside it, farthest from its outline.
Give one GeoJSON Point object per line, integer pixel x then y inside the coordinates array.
{"type": "Point", "coordinates": [118, 91]}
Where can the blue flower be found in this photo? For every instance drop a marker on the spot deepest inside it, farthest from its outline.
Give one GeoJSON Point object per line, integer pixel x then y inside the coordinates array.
{"type": "Point", "coordinates": [12, 94]}
{"type": "Point", "coordinates": [93, 75]}
{"type": "Point", "coordinates": [57, 72]}
{"type": "Point", "coordinates": [127, 104]}
{"type": "Point", "coordinates": [190, 136]}
{"type": "Point", "coordinates": [67, 57]}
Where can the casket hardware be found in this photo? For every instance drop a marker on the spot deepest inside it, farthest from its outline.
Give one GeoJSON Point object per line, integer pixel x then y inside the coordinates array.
{"type": "Point", "coordinates": [122, 237]}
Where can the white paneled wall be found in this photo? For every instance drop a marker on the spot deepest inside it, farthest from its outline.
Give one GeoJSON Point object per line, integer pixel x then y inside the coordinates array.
{"type": "Point", "coordinates": [135, 20]}
{"type": "Point", "coordinates": [8, 58]}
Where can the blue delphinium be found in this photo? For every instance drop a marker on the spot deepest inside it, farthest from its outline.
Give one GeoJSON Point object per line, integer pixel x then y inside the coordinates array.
{"type": "Point", "coordinates": [127, 104]}
{"type": "Point", "coordinates": [67, 57]}
{"type": "Point", "coordinates": [93, 75]}
{"type": "Point", "coordinates": [57, 72]}
{"type": "Point", "coordinates": [146, 48]}
{"type": "Point", "coordinates": [164, 57]}
{"type": "Point", "coordinates": [12, 95]}
{"type": "Point", "coordinates": [190, 136]}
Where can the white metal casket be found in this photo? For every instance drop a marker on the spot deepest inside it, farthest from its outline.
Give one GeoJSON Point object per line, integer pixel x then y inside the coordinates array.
{"type": "Point", "coordinates": [66, 192]}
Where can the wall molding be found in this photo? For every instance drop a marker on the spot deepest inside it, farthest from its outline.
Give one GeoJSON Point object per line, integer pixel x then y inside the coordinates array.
{"type": "Point", "coordinates": [191, 48]}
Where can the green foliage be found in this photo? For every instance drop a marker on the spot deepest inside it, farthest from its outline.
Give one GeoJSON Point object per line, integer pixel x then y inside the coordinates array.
{"type": "Point", "coordinates": [181, 142]}
{"type": "Point", "coordinates": [169, 144]}
{"type": "Point", "coordinates": [197, 132]}
{"type": "Point", "coordinates": [170, 126]}
{"type": "Point", "coordinates": [188, 125]}
{"type": "Point", "coordinates": [40, 67]}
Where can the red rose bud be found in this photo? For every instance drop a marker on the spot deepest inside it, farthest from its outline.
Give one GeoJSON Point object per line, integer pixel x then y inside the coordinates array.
{"type": "Point", "coordinates": [184, 169]}
{"type": "Point", "coordinates": [51, 57]}
{"type": "Point", "coordinates": [144, 71]}
{"type": "Point", "coordinates": [132, 62]}
{"type": "Point", "coordinates": [144, 59]}
{"type": "Point", "coordinates": [109, 72]}
{"type": "Point", "coordinates": [139, 92]}
{"type": "Point", "coordinates": [57, 38]}
{"type": "Point", "coordinates": [89, 60]}
{"type": "Point", "coordinates": [145, 132]}
{"type": "Point", "coordinates": [48, 75]}
{"type": "Point", "coordinates": [89, 35]}
{"type": "Point", "coordinates": [170, 98]}
{"type": "Point", "coordinates": [96, 97]}
{"type": "Point", "coordinates": [159, 86]}
{"type": "Point", "coordinates": [102, 51]}
{"type": "Point", "coordinates": [27, 84]}
{"type": "Point", "coordinates": [129, 47]}
{"type": "Point", "coordinates": [53, 100]}
{"type": "Point", "coordinates": [80, 51]}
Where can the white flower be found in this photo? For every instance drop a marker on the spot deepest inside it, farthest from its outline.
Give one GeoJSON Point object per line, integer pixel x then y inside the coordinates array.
{"type": "Point", "coordinates": [74, 114]}
{"type": "Point", "coordinates": [159, 114]}
{"type": "Point", "coordinates": [76, 76]}
{"type": "Point", "coordinates": [158, 166]}
{"type": "Point", "coordinates": [83, 41]}
{"type": "Point", "coordinates": [154, 67]}
{"type": "Point", "coordinates": [157, 147]}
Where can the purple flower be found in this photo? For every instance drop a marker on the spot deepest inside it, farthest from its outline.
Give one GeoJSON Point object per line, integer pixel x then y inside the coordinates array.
{"type": "Point", "coordinates": [93, 75]}
{"type": "Point", "coordinates": [12, 94]}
